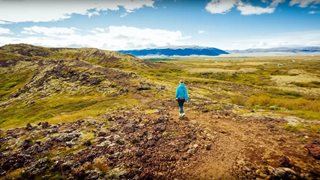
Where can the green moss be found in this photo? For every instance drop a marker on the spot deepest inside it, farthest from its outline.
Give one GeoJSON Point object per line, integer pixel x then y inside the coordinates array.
{"type": "Point", "coordinates": [10, 83]}
{"type": "Point", "coordinates": [258, 79]}
{"type": "Point", "coordinates": [293, 128]}
{"type": "Point", "coordinates": [282, 93]}
{"type": "Point", "coordinates": [291, 104]}
{"type": "Point", "coordinates": [60, 108]}
{"type": "Point", "coordinates": [312, 84]}
{"type": "Point", "coordinates": [87, 136]}
{"type": "Point", "coordinates": [312, 115]}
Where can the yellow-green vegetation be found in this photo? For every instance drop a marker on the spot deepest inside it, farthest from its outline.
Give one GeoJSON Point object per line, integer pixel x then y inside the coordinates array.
{"type": "Point", "coordinates": [294, 128]}
{"type": "Point", "coordinates": [226, 78]}
{"type": "Point", "coordinates": [281, 85]}
{"type": "Point", "coordinates": [87, 136]}
{"type": "Point", "coordinates": [9, 83]}
{"type": "Point", "coordinates": [61, 108]}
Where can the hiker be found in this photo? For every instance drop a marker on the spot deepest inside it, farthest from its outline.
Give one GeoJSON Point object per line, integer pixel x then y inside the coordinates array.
{"type": "Point", "coordinates": [181, 97]}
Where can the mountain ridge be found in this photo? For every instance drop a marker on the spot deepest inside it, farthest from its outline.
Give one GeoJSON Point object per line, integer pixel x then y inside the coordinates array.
{"type": "Point", "coordinates": [175, 51]}
{"type": "Point", "coordinates": [307, 49]}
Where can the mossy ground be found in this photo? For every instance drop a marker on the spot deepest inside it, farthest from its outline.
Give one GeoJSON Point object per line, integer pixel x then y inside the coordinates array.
{"type": "Point", "coordinates": [244, 81]}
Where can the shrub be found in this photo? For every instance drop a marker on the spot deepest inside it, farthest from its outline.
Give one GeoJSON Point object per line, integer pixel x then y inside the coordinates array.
{"type": "Point", "coordinates": [292, 104]}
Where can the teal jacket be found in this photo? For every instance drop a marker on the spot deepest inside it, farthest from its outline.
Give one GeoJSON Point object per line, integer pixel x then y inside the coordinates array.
{"type": "Point", "coordinates": [182, 92]}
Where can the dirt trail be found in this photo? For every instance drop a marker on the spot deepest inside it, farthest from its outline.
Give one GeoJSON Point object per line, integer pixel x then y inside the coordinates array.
{"type": "Point", "coordinates": [238, 141]}
{"type": "Point", "coordinates": [227, 139]}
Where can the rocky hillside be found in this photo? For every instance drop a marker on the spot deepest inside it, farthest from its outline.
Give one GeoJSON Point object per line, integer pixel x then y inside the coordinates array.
{"type": "Point", "coordinates": [51, 81]}
{"type": "Point", "coordinates": [121, 145]}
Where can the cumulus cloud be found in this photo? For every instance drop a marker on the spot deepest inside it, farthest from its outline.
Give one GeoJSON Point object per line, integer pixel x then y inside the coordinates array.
{"type": "Point", "coordinates": [304, 3]}
{"type": "Point", "coordinates": [48, 10]}
{"type": "Point", "coordinates": [306, 38]}
{"type": "Point", "coordinates": [112, 37]}
{"type": "Point", "coordinates": [248, 9]}
{"type": "Point", "coordinates": [49, 31]}
{"type": "Point", "coordinates": [275, 3]}
{"type": "Point", "coordinates": [5, 31]}
{"type": "Point", "coordinates": [220, 6]}
{"type": "Point", "coordinates": [224, 6]}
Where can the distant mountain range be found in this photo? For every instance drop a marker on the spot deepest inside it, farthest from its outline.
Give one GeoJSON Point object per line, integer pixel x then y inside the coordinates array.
{"type": "Point", "coordinates": [279, 49]}
{"type": "Point", "coordinates": [176, 51]}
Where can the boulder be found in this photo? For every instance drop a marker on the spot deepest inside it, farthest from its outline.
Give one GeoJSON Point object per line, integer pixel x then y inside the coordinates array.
{"type": "Point", "coordinates": [314, 149]}
{"type": "Point", "coordinates": [285, 162]}
{"type": "Point", "coordinates": [26, 144]}
{"type": "Point", "coordinates": [144, 86]}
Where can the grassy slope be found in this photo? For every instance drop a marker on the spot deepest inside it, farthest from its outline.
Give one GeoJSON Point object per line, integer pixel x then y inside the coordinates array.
{"type": "Point", "coordinates": [44, 104]}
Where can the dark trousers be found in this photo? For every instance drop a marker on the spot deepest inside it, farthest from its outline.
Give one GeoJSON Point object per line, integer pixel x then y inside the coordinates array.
{"type": "Point", "coordinates": [181, 102]}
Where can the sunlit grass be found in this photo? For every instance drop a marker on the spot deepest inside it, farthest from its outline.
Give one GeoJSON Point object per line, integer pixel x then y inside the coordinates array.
{"type": "Point", "coordinates": [61, 108]}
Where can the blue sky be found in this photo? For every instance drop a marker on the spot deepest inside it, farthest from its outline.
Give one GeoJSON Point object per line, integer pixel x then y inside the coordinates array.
{"type": "Point", "coordinates": [137, 24]}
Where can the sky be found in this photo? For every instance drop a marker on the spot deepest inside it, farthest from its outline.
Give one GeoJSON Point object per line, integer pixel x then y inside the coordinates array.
{"type": "Point", "coordinates": [139, 24]}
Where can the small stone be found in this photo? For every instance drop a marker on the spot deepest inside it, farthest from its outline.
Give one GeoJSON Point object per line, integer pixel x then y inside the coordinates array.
{"type": "Point", "coordinates": [284, 173]}
{"type": "Point", "coordinates": [66, 166]}
{"type": "Point", "coordinates": [44, 125]}
{"type": "Point", "coordinates": [151, 143]}
{"type": "Point", "coordinates": [208, 147]}
{"type": "Point", "coordinates": [87, 143]}
{"type": "Point", "coordinates": [116, 137]}
{"type": "Point", "coordinates": [185, 157]}
{"type": "Point", "coordinates": [102, 134]}
{"type": "Point", "coordinates": [26, 144]}
{"type": "Point", "coordinates": [29, 127]}
{"type": "Point", "coordinates": [191, 151]}
{"type": "Point", "coordinates": [285, 162]}
{"type": "Point", "coordinates": [139, 153]}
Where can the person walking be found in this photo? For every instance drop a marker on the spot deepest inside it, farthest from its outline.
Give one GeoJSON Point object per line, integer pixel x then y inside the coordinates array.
{"type": "Point", "coordinates": [181, 97]}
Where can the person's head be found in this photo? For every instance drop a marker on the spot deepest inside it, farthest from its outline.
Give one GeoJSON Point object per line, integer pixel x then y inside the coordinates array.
{"type": "Point", "coordinates": [181, 81]}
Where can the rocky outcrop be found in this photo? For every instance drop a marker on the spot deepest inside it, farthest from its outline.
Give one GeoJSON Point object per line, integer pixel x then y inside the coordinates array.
{"type": "Point", "coordinates": [314, 149]}
{"type": "Point", "coordinates": [121, 145]}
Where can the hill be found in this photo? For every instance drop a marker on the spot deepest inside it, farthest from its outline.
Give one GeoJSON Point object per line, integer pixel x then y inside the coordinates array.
{"type": "Point", "coordinates": [183, 51]}
{"type": "Point", "coordinates": [51, 81]}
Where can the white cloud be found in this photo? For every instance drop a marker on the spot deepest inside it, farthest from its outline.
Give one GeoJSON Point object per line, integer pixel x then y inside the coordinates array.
{"type": "Point", "coordinates": [220, 6]}
{"type": "Point", "coordinates": [48, 10]}
{"type": "Point", "coordinates": [275, 3]}
{"type": "Point", "coordinates": [304, 3]}
{"type": "Point", "coordinates": [49, 31]}
{"type": "Point", "coordinates": [3, 22]}
{"type": "Point", "coordinates": [201, 31]}
{"type": "Point", "coordinates": [313, 12]}
{"type": "Point", "coordinates": [112, 37]}
{"type": "Point", "coordinates": [247, 9]}
{"type": "Point", "coordinates": [224, 6]}
{"type": "Point", "coordinates": [306, 38]}
{"type": "Point", "coordinates": [5, 31]}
